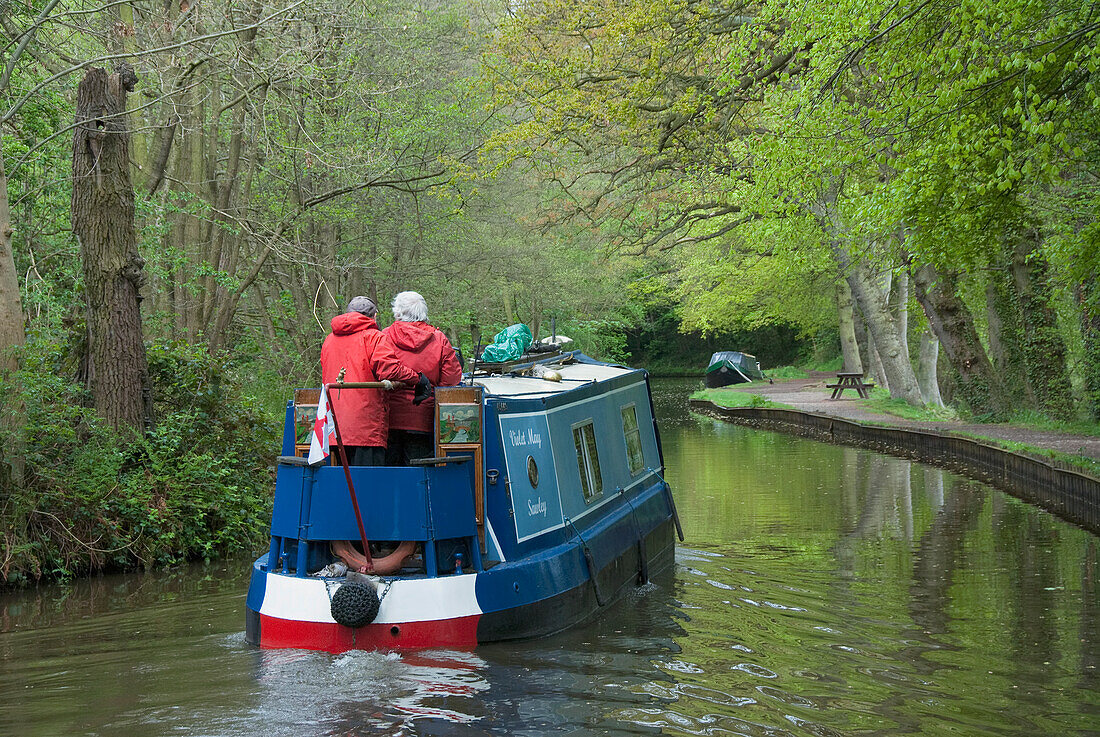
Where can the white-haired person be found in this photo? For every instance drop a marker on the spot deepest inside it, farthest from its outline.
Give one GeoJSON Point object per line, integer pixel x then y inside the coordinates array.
{"type": "Point", "coordinates": [425, 349]}
{"type": "Point", "coordinates": [357, 347]}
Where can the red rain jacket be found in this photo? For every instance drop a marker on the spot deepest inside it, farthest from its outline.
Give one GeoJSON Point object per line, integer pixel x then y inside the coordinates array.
{"type": "Point", "coordinates": [357, 344]}
{"type": "Point", "coordinates": [422, 348]}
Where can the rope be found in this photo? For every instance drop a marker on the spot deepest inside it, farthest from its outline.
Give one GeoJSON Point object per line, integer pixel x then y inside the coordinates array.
{"type": "Point", "coordinates": [590, 562]}
{"type": "Point", "coordinates": [671, 505]}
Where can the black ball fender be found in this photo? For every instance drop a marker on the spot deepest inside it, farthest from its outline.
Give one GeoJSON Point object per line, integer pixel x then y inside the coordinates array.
{"type": "Point", "coordinates": [355, 604]}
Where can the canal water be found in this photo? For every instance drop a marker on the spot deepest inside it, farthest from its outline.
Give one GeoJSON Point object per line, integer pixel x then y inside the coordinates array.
{"type": "Point", "coordinates": [821, 591]}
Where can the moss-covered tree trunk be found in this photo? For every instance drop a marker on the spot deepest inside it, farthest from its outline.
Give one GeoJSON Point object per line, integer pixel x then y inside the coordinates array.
{"type": "Point", "coordinates": [1088, 303]}
{"type": "Point", "coordinates": [103, 223]}
{"type": "Point", "coordinates": [1044, 348]}
{"type": "Point", "coordinates": [12, 334]}
{"type": "Point", "coordinates": [11, 305]}
{"type": "Point", "coordinates": [1005, 336]}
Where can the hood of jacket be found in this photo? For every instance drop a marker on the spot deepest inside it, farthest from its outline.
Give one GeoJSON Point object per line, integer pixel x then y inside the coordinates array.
{"type": "Point", "coordinates": [352, 322]}
{"type": "Point", "coordinates": [410, 336]}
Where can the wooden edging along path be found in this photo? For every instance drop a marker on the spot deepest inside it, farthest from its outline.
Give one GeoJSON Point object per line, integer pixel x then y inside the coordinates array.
{"type": "Point", "coordinates": [1067, 492]}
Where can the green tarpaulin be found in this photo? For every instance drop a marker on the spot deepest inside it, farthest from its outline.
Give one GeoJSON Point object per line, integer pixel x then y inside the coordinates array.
{"type": "Point", "coordinates": [509, 344]}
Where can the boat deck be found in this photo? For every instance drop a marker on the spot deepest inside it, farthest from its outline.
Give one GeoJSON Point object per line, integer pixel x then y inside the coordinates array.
{"type": "Point", "coordinates": [573, 375]}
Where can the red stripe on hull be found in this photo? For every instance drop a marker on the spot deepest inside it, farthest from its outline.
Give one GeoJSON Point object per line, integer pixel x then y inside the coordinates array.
{"type": "Point", "coordinates": [460, 632]}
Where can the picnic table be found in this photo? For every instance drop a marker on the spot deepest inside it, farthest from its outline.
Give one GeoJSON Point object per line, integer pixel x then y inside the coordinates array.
{"type": "Point", "coordinates": [850, 380]}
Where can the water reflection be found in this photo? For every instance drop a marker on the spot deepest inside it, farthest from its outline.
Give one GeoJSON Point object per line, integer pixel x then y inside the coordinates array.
{"type": "Point", "coordinates": [822, 590]}
{"type": "Point", "coordinates": [874, 594]}
{"type": "Point", "coordinates": [360, 693]}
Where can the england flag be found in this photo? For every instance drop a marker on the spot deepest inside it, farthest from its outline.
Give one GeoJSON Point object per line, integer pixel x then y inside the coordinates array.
{"type": "Point", "coordinates": [324, 430]}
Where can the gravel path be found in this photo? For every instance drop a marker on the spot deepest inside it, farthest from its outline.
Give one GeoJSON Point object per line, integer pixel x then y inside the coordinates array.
{"type": "Point", "coordinates": [810, 395]}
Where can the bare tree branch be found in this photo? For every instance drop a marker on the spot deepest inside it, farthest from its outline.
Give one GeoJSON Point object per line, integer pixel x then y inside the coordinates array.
{"type": "Point", "coordinates": [14, 109]}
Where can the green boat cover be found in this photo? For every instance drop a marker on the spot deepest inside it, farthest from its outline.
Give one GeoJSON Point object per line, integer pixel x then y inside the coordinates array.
{"type": "Point", "coordinates": [509, 344]}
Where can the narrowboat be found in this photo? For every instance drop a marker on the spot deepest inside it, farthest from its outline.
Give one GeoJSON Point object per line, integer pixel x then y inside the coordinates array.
{"type": "Point", "coordinates": [543, 504]}
{"type": "Point", "coordinates": [732, 367]}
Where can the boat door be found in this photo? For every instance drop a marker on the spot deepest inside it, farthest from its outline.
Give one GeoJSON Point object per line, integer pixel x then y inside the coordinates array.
{"type": "Point", "coordinates": [459, 431]}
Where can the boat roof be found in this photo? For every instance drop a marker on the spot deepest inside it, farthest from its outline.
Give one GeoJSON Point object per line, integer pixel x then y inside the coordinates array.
{"type": "Point", "coordinates": [573, 376]}
{"type": "Point", "coordinates": [734, 356]}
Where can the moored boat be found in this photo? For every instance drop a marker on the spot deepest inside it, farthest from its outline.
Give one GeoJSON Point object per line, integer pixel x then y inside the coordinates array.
{"type": "Point", "coordinates": [544, 503]}
{"type": "Point", "coordinates": [732, 367]}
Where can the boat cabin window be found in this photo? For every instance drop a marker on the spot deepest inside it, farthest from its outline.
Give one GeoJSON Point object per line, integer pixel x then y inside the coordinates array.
{"type": "Point", "coordinates": [588, 460]}
{"type": "Point", "coordinates": [633, 437]}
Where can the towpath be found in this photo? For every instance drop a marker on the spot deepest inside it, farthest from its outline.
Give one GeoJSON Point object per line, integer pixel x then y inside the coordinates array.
{"type": "Point", "coordinates": [810, 395]}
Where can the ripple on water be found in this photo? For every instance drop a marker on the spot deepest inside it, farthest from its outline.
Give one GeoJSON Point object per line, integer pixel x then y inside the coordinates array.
{"type": "Point", "coordinates": [755, 670]}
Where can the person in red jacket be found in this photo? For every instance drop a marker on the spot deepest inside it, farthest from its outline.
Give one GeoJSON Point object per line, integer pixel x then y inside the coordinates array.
{"type": "Point", "coordinates": [357, 345]}
{"type": "Point", "coordinates": [426, 349]}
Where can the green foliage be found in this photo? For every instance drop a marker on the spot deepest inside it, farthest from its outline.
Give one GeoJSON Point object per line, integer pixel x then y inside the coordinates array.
{"type": "Point", "coordinates": [768, 273]}
{"type": "Point", "coordinates": [602, 339]}
{"type": "Point", "coordinates": [92, 499]}
{"type": "Point", "coordinates": [747, 139]}
{"type": "Point", "coordinates": [660, 339]}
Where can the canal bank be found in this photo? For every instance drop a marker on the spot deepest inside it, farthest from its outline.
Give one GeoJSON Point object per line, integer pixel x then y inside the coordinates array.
{"type": "Point", "coordinates": [1050, 481]}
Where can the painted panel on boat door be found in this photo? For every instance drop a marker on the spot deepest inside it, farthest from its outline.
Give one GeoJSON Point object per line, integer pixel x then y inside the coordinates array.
{"type": "Point", "coordinates": [529, 459]}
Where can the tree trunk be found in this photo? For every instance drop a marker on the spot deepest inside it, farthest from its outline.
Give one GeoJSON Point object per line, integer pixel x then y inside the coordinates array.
{"type": "Point", "coordinates": [1044, 348]}
{"type": "Point", "coordinates": [882, 327]}
{"type": "Point", "coordinates": [231, 253]}
{"type": "Point", "coordinates": [475, 337]}
{"type": "Point", "coordinates": [11, 305]}
{"type": "Point", "coordinates": [978, 384]}
{"type": "Point", "coordinates": [217, 322]}
{"type": "Point", "coordinates": [875, 370]}
{"type": "Point", "coordinates": [901, 307]}
{"type": "Point", "coordinates": [509, 309]}
{"type": "Point", "coordinates": [12, 334]}
{"type": "Point", "coordinates": [849, 347]}
{"type": "Point", "coordinates": [138, 145]}
{"type": "Point", "coordinates": [996, 328]}
{"type": "Point", "coordinates": [872, 303]}
{"type": "Point", "coordinates": [1005, 349]}
{"type": "Point", "coordinates": [188, 227]}
{"type": "Point", "coordinates": [1088, 305]}
{"type": "Point", "coordinates": [454, 336]}
{"type": "Point", "coordinates": [103, 222]}
{"type": "Point", "coordinates": [927, 369]}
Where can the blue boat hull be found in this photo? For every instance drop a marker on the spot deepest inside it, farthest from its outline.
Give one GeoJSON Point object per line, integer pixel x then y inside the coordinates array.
{"type": "Point", "coordinates": [531, 597]}
{"type": "Point", "coordinates": [551, 507]}
{"type": "Point", "coordinates": [568, 608]}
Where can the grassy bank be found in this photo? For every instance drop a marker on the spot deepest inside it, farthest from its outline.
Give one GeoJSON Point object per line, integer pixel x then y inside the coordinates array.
{"type": "Point", "coordinates": [80, 497]}
{"type": "Point", "coordinates": [727, 398]}
{"type": "Point", "coordinates": [880, 403]}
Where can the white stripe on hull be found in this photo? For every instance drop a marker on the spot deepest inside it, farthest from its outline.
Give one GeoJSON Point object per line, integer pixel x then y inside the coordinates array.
{"type": "Point", "coordinates": [407, 600]}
